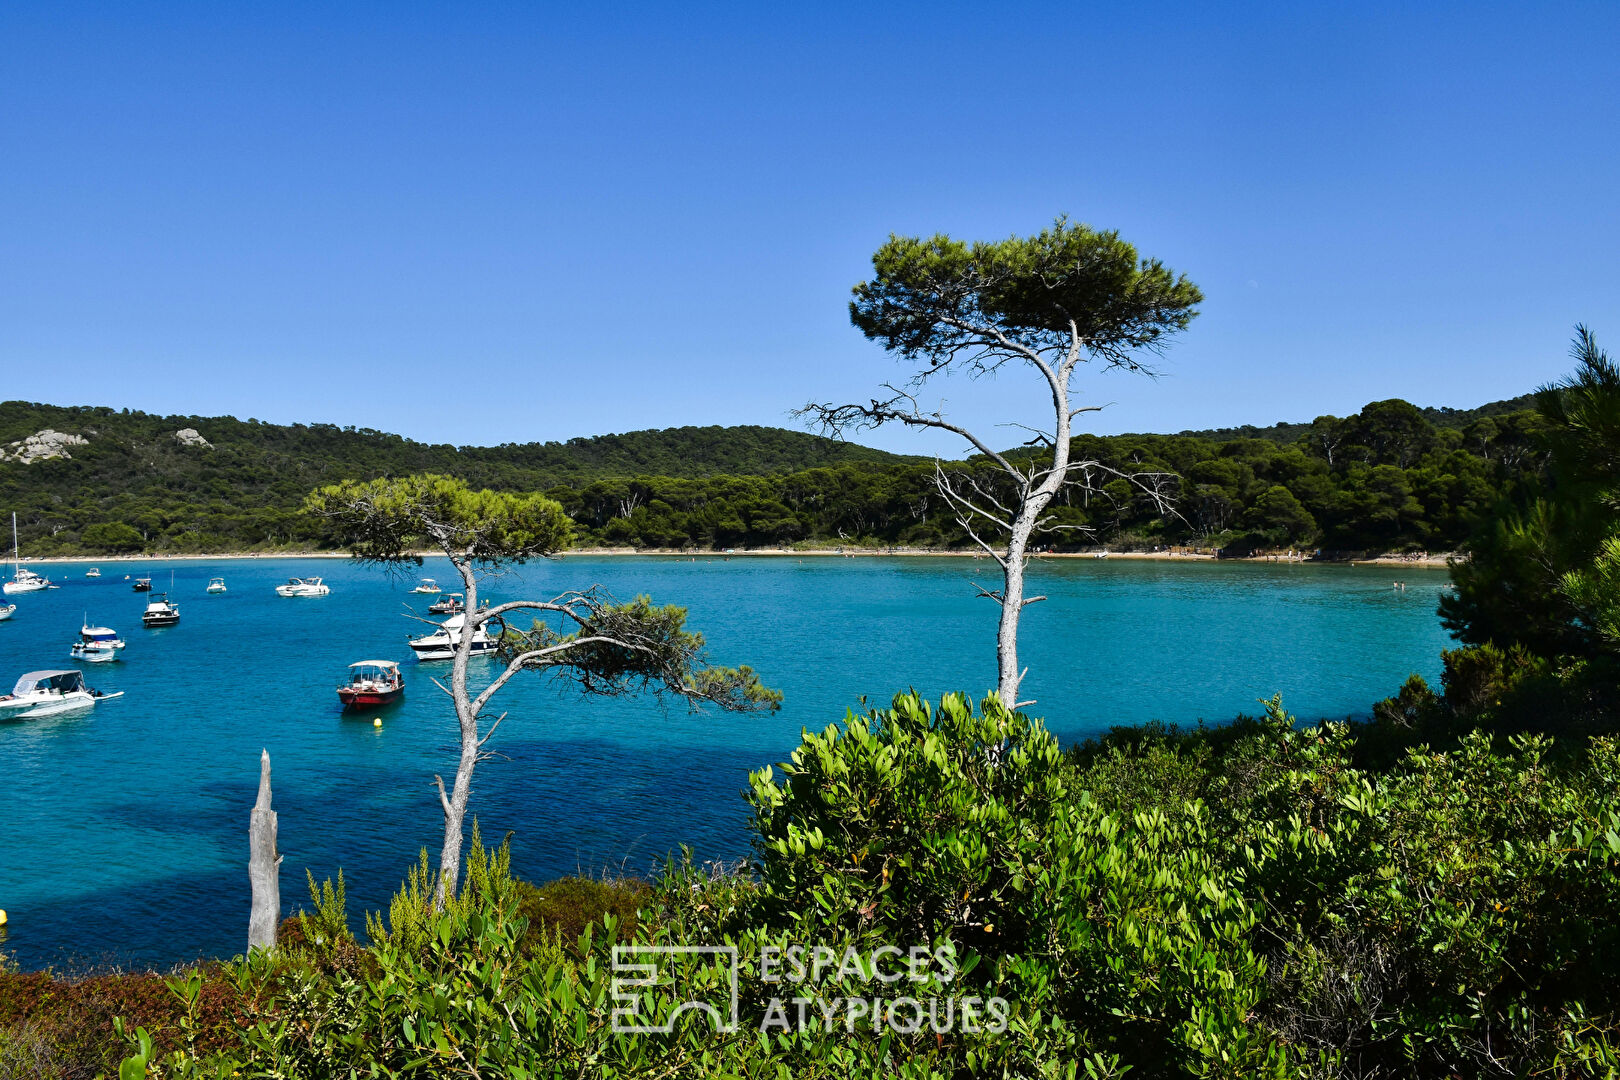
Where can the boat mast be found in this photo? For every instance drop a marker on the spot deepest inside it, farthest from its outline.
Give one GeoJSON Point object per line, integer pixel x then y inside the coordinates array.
{"type": "Point", "coordinates": [16, 553]}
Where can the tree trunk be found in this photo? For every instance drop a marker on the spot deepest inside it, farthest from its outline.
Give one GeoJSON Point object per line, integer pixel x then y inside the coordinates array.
{"type": "Point", "coordinates": [1012, 605]}
{"type": "Point", "coordinates": [455, 805]}
{"type": "Point", "coordinates": [264, 866]}
{"type": "Point", "coordinates": [1008, 676]}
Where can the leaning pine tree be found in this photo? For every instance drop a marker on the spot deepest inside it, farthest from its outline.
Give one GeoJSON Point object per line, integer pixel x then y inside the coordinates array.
{"type": "Point", "coordinates": [605, 648]}
{"type": "Point", "coordinates": [1052, 302]}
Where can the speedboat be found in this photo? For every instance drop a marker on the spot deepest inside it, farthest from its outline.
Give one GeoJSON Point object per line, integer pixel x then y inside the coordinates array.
{"type": "Point", "coordinates": [22, 579]}
{"type": "Point", "coordinates": [441, 644]}
{"type": "Point", "coordinates": [143, 584]}
{"type": "Point", "coordinates": [310, 586]}
{"type": "Point", "coordinates": [451, 604]}
{"type": "Point", "coordinates": [159, 612]}
{"type": "Point", "coordinates": [93, 572]}
{"type": "Point", "coordinates": [96, 644]}
{"type": "Point", "coordinates": [216, 585]}
{"type": "Point", "coordinates": [7, 611]}
{"type": "Point", "coordinates": [43, 693]}
{"type": "Point", "coordinates": [428, 586]}
{"type": "Point", "coordinates": [372, 683]}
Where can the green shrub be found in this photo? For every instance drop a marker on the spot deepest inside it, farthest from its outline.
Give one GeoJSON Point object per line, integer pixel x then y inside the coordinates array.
{"type": "Point", "coordinates": [563, 909]}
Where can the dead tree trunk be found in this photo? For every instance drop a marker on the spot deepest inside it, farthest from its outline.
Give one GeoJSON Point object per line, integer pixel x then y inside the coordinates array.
{"type": "Point", "coordinates": [264, 866]}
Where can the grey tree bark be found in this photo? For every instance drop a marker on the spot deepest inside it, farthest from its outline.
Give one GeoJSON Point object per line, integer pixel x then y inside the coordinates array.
{"type": "Point", "coordinates": [1003, 527]}
{"type": "Point", "coordinates": [469, 710]}
{"type": "Point", "coordinates": [264, 866]}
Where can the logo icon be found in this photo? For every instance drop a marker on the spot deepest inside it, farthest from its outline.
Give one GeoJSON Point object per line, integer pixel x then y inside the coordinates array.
{"type": "Point", "coordinates": [682, 971]}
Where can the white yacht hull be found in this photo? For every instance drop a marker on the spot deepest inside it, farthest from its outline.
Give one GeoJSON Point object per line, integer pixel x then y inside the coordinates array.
{"type": "Point", "coordinates": [12, 588]}
{"type": "Point", "coordinates": [440, 647]}
{"type": "Point", "coordinates": [46, 705]}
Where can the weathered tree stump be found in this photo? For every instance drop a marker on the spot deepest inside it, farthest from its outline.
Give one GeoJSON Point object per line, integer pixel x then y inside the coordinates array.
{"type": "Point", "coordinates": [264, 866]}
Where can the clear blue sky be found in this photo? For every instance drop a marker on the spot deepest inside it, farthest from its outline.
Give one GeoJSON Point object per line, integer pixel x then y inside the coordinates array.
{"type": "Point", "coordinates": [653, 217]}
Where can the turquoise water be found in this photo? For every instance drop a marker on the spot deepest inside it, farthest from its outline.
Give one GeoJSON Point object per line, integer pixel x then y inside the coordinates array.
{"type": "Point", "coordinates": [123, 835]}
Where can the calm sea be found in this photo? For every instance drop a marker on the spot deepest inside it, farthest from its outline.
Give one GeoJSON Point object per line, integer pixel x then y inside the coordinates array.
{"type": "Point", "coordinates": [123, 830]}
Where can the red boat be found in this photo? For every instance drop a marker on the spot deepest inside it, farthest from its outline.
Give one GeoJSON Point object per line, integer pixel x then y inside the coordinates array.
{"type": "Point", "coordinates": [372, 683]}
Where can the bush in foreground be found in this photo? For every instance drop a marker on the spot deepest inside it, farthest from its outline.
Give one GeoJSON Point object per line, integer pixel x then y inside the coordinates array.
{"type": "Point", "coordinates": [1249, 901]}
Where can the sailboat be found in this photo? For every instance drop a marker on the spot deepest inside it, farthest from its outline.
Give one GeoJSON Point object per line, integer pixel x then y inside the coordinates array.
{"type": "Point", "coordinates": [22, 579]}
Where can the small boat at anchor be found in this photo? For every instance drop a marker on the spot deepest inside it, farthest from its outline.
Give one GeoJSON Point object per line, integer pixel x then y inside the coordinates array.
{"type": "Point", "coordinates": [428, 586]}
{"type": "Point", "coordinates": [143, 584]}
{"type": "Point", "coordinates": [372, 684]}
{"type": "Point", "coordinates": [93, 572]}
{"type": "Point", "coordinates": [7, 611]}
{"type": "Point", "coordinates": [96, 644]}
{"type": "Point", "coordinates": [303, 587]}
{"type": "Point", "coordinates": [159, 612]}
{"type": "Point", "coordinates": [216, 585]}
{"type": "Point", "coordinates": [45, 693]}
{"type": "Point", "coordinates": [449, 604]}
{"type": "Point", "coordinates": [441, 644]}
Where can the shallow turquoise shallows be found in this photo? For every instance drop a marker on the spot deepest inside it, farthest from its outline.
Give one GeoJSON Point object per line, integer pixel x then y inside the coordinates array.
{"type": "Point", "coordinates": [123, 830]}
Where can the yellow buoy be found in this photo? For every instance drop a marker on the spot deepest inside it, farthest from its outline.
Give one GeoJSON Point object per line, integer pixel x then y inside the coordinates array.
{"type": "Point", "coordinates": [2, 918]}
{"type": "Point", "coordinates": [376, 721]}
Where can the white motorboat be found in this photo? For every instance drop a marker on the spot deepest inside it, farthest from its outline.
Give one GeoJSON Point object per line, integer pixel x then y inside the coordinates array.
{"type": "Point", "coordinates": [44, 693]}
{"type": "Point", "coordinates": [7, 611]}
{"type": "Point", "coordinates": [94, 571]}
{"type": "Point", "coordinates": [96, 644]}
{"type": "Point", "coordinates": [311, 586]}
{"type": "Point", "coordinates": [22, 579]}
{"type": "Point", "coordinates": [441, 644]}
{"type": "Point", "coordinates": [159, 612]}
{"type": "Point", "coordinates": [92, 652]}
{"type": "Point", "coordinates": [216, 585]}
{"type": "Point", "coordinates": [428, 586]}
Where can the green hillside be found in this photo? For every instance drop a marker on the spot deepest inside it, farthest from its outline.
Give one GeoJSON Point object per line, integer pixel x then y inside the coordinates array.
{"type": "Point", "coordinates": [242, 488]}
{"type": "Point", "coordinates": [1441, 417]}
{"type": "Point", "coordinates": [1392, 476]}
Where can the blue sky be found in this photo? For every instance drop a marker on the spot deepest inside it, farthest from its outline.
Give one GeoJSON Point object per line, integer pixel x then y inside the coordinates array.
{"type": "Point", "coordinates": [486, 223]}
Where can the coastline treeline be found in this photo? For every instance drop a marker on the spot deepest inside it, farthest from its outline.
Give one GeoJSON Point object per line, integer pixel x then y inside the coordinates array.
{"type": "Point", "coordinates": [1391, 477]}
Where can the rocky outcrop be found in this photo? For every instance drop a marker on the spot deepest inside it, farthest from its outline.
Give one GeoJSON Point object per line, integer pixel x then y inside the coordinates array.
{"type": "Point", "coordinates": [190, 436]}
{"type": "Point", "coordinates": [42, 446]}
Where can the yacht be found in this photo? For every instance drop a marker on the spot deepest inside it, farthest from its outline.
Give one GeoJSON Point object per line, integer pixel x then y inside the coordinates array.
{"type": "Point", "coordinates": [43, 693]}
{"type": "Point", "coordinates": [22, 579]}
{"type": "Point", "coordinates": [159, 612]}
{"type": "Point", "coordinates": [216, 585]}
{"type": "Point", "coordinates": [310, 586]}
{"type": "Point", "coordinates": [371, 683]}
{"type": "Point", "coordinates": [441, 644]}
{"type": "Point", "coordinates": [96, 644]}
{"type": "Point", "coordinates": [428, 586]}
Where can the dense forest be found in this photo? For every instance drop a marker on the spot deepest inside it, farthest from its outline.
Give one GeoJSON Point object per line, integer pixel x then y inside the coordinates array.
{"type": "Point", "coordinates": [1391, 477]}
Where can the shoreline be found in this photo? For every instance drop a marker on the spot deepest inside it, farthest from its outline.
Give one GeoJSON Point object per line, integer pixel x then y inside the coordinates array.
{"type": "Point", "coordinates": [1425, 561]}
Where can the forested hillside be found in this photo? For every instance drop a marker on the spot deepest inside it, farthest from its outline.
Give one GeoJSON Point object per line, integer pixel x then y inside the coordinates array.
{"type": "Point", "coordinates": [1392, 476]}
{"type": "Point", "coordinates": [243, 488]}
